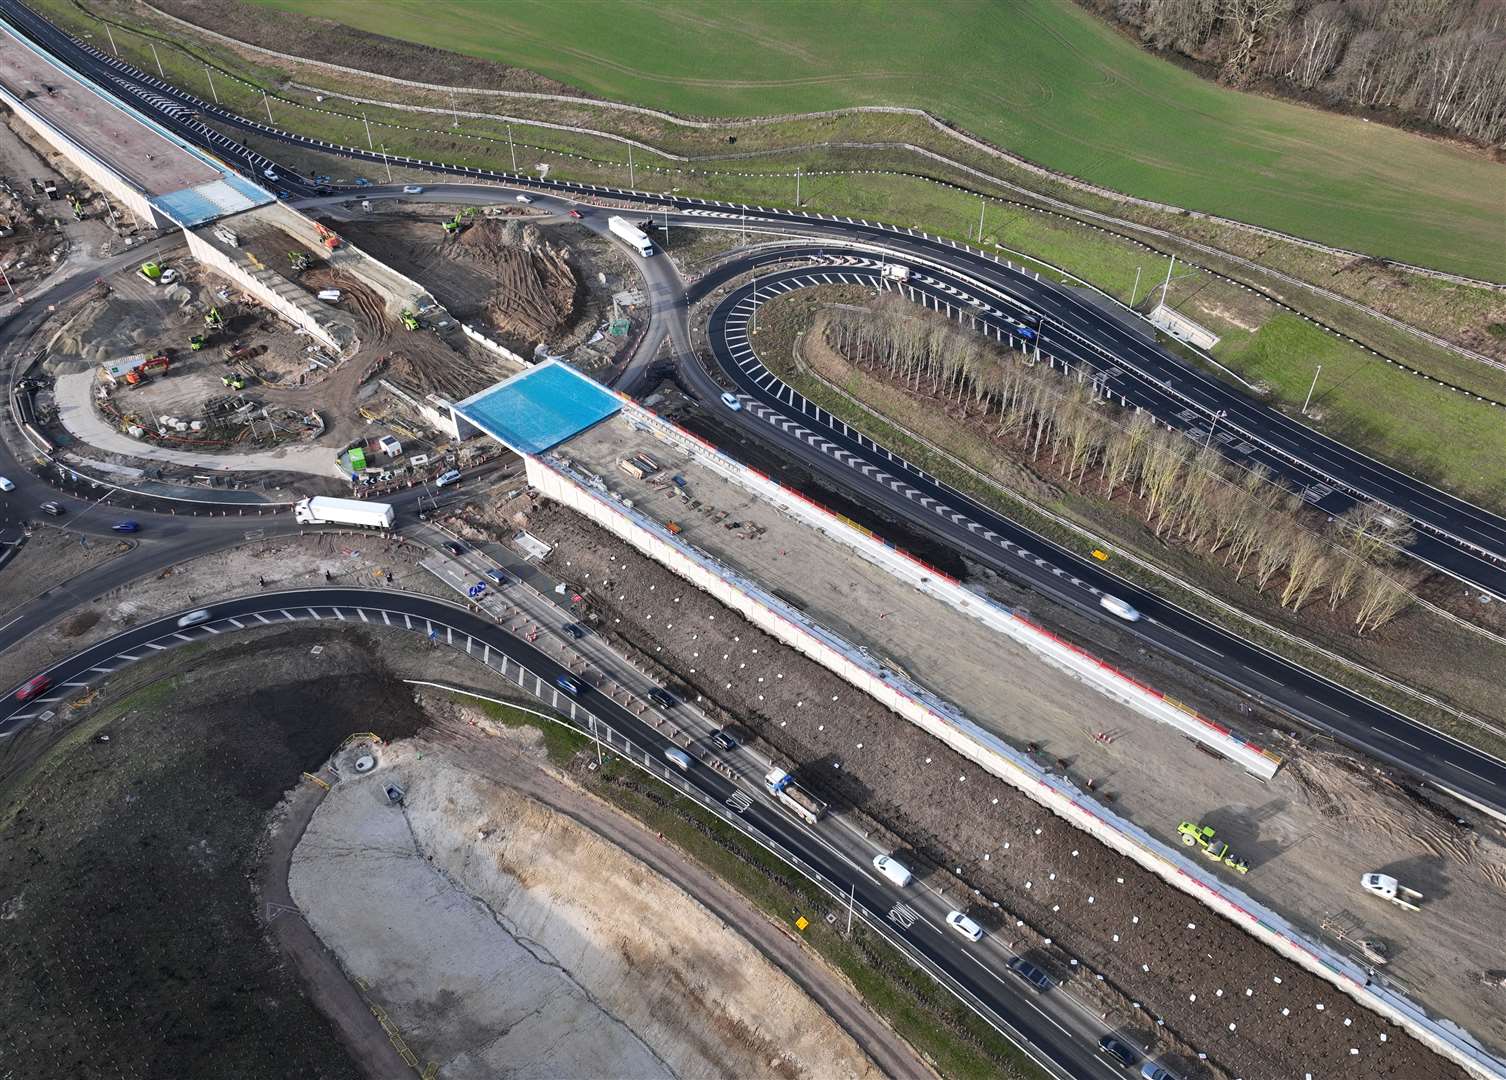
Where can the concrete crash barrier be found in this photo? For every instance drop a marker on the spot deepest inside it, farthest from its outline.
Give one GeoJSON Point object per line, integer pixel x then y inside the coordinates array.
{"type": "Point", "coordinates": [943, 721]}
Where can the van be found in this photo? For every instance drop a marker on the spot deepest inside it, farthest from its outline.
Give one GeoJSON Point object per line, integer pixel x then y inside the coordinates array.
{"type": "Point", "coordinates": [1118, 608]}
{"type": "Point", "coordinates": [678, 758]}
{"type": "Point", "coordinates": [896, 872]}
{"type": "Point", "coordinates": [445, 479]}
{"type": "Point", "coordinates": [330, 296]}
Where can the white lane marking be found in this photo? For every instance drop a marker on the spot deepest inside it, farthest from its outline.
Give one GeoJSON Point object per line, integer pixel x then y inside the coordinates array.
{"type": "Point", "coordinates": [154, 645]}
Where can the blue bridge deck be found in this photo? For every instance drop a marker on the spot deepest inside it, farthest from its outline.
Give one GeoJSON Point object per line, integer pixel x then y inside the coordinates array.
{"type": "Point", "coordinates": [539, 408]}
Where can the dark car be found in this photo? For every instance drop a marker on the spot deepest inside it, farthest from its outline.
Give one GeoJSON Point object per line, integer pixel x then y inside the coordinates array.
{"type": "Point", "coordinates": [662, 698]}
{"type": "Point", "coordinates": [568, 685]}
{"type": "Point", "coordinates": [454, 548]}
{"type": "Point", "coordinates": [575, 630]}
{"type": "Point", "coordinates": [126, 526]}
{"type": "Point", "coordinates": [1118, 1051]}
{"type": "Point", "coordinates": [722, 741]}
{"type": "Point", "coordinates": [1031, 974]}
{"type": "Point", "coordinates": [53, 508]}
{"type": "Point", "coordinates": [33, 688]}
{"type": "Point", "coordinates": [497, 576]}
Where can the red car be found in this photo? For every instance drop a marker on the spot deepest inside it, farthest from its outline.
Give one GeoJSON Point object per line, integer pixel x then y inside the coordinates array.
{"type": "Point", "coordinates": [33, 688]}
{"type": "Point", "coordinates": [575, 213]}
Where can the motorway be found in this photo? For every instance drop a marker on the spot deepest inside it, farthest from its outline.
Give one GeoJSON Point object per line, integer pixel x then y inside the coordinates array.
{"type": "Point", "coordinates": [1452, 534]}
{"type": "Point", "coordinates": [837, 857]}
{"type": "Point", "coordinates": [775, 413]}
{"type": "Point", "coordinates": [997, 296]}
{"type": "Point", "coordinates": [1123, 363]}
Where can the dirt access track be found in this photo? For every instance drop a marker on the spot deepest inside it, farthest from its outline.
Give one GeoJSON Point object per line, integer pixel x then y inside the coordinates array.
{"type": "Point", "coordinates": [608, 967]}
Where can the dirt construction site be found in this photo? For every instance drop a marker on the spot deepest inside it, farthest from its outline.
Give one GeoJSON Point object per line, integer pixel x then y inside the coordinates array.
{"type": "Point", "coordinates": [1201, 981]}
{"type": "Point", "coordinates": [523, 283]}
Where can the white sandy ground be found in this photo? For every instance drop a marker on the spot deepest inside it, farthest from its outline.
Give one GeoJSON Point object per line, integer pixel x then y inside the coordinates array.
{"type": "Point", "coordinates": [504, 939]}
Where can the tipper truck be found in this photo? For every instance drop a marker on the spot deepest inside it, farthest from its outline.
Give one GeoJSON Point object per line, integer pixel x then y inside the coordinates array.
{"type": "Point", "coordinates": [624, 229]}
{"type": "Point", "coordinates": [795, 798]}
{"type": "Point", "coordinates": [323, 510]}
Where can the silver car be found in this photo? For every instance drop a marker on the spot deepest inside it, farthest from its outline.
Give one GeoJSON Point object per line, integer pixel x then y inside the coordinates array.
{"type": "Point", "coordinates": [194, 618]}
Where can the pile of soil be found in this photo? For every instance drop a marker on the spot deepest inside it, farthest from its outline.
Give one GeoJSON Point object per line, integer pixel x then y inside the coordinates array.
{"type": "Point", "coordinates": [534, 291]}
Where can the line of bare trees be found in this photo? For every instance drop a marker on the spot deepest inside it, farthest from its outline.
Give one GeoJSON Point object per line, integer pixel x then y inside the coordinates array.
{"type": "Point", "coordinates": [1186, 493]}
{"type": "Point", "coordinates": [1438, 62]}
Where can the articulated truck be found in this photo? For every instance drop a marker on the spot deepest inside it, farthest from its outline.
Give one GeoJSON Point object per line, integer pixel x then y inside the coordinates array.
{"type": "Point", "coordinates": [794, 798]}
{"type": "Point", "coordinates": [624, 229]}
{"type": "Point", "coordinates": [323, 510]}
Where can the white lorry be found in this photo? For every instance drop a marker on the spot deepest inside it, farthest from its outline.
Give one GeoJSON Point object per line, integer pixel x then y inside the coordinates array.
{"type": "Point", "coordinates": [323, 510]}
{"type": "Point", "coordinates": [625, 230]}
{"type": "Point", "coordinates": [895, 272]}
{"type": "Point", "coordinates": [793, 797]}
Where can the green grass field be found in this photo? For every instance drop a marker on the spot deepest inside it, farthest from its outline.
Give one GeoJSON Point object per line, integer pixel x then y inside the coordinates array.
{"type": "Point", "coordinates": [1038, 77]}
{"type": "Point", "coordinates": [1366, 402]}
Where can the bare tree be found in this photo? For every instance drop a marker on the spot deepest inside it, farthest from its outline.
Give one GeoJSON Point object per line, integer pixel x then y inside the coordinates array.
{"type": "Point", "coordinates": [1381, 598]}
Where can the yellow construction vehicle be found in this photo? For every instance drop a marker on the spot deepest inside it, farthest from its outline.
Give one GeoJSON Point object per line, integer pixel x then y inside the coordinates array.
{"type": "Point", "coordinates": [1202, 836]}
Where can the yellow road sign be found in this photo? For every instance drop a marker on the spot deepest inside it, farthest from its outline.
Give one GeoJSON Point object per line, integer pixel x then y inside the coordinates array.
{"type": "Point", "coordinates": [801, 923]}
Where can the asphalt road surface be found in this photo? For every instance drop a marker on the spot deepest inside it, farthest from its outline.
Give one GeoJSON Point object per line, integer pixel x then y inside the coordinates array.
{"type": "Point", "coordinates": [1453, 534]}
{"type": "Point", "coordinates": [1062, 1032]}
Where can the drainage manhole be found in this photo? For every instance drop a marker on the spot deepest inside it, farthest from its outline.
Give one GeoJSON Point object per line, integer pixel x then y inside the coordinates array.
{"type": "Point", "coordinates": [365, 763]}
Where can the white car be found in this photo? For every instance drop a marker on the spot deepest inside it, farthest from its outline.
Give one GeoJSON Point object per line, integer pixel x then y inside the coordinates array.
{"type": "Point", "coordinates": [524, 199]}
{"type": "Point", "coordinates": [270, 174]}
{"type": "Point", "coordinates": [678, 758]}
{"type": "Point", "coordinates": [1117, 607]}
{"type": "Point", "coordinates": [169, 275]}
{"type": "Point", "coordinates": [964, 926]}
{"type": "Point", "coordinates": [412, 189]}
{"type": "Point", "coordinates": [6, 485]}
{"type": "Point", "coordinates": [730, 400]}
{"type": "Point", "coordinates": [194, 618]}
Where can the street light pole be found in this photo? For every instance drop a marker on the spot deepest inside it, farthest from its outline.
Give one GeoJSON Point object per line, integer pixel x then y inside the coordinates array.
{"type": "Point", "coordinates": [215, 93]}
{"type": "Point", "coordinates": [982, 206]}
{"type": "Point", "coordinates": [1134, 292]}
{"type": "Point", "coordinates": [367, 123]}
{"type": "Point", "coordinates": [1310, 390]}
{"type": "Point", "coordinates": [1214, 426]}
{"type": "Point", "coordinates": [153, 46]}
{"type": "Point", "coordinates": [268, 104]}
{"type": "Point", "coordinates": [111, 36]}
{"type": "Point", "coordinates": [852, 889]}
{"type": "Point", "coordinates": [387, 163]}
{"type": "Point", "coordinates": [632, 183]}
{"type": "Point", "coordinates": [754, 318]}
{"type": "Point", "coordinates": [512, 149]}
{"type": "Point", "coordinates": [1167, 283]}
{"type": "Point", "coordinates": [797, 187]}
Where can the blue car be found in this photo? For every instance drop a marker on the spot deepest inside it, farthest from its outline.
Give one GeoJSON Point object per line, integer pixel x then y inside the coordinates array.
{"type": "Point", "coordinates": [125, 526]}
{"type": "Point", "coordinates": [361, 181]}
